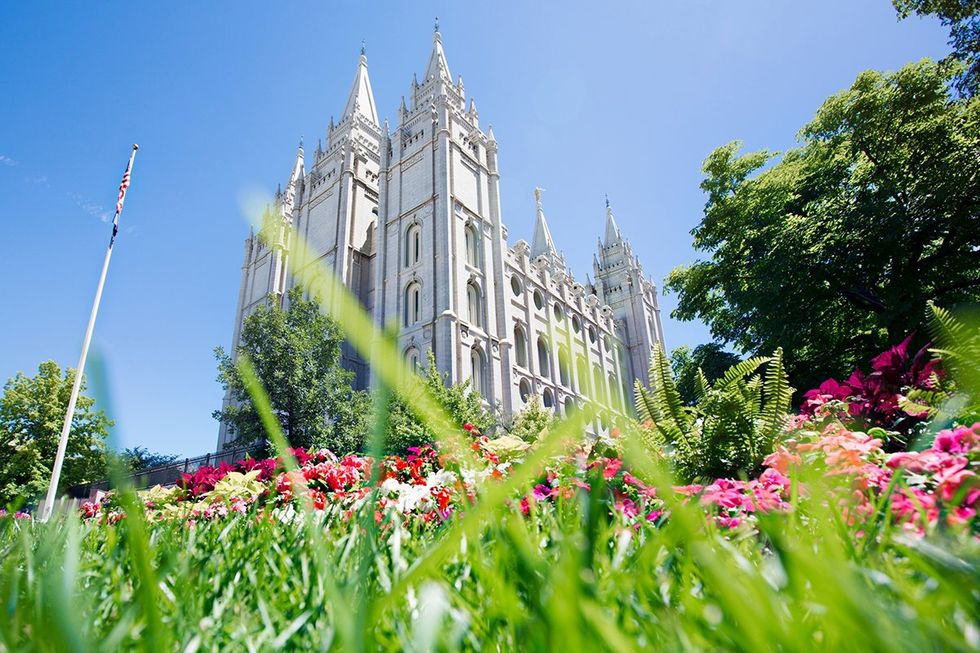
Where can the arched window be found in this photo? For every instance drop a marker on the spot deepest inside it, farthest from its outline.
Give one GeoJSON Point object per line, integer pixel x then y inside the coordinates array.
{"type": "Point", "coordinates": [576, 325]}
{"type": "Point", "coordinates": [559, 314]}
{"type": "Point", "coordinates": [548, 399]}
{"type": "Point", "coordinates": [520, 346]}
{"type": "Point", "coordinates": [476, 363]}
{"type": "Point", "coordinates": [413, 303]}
{"type": "Point", "coordinates": [472, 249]}
{"type": "Point", "coordinates": [600, 387]}
{"type": "Point", "coordinates": [614, 397]}
{"type": "Point", "coordinates": [515, 286]}
{"type": "Point", "coordinates": [412, 358]}
{"type": "Point", "coordinates": [582, 371]}
{"type": "Point", "coordinates": [413, 245]}
{"type": "Point", "coordinates": [569, 406]}
{"type": "Point", "coordinates": [524, 387]}
{"type": "Point", "coordinates": [474, 304]}
{"type": "Point", "coordinates": [544, 367]}
{"type": "Point", "coordinates": [563, 363]}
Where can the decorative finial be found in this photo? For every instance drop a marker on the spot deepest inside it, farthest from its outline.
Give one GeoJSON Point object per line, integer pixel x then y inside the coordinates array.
{"type": "Point", "coordinates": [537, 195]}
{"type": "Point", "coordinates": [363, 48]}
{"type": "Point", "coordinates": [437, 25]}
{"type": "Point", "coordinates": [607, 200]}
{"type": "Point", "coordinates": [301, 142]}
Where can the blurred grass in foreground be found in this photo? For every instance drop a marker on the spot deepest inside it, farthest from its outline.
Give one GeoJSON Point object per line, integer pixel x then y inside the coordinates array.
{"type": "Point", "coordinates": [564, 579]}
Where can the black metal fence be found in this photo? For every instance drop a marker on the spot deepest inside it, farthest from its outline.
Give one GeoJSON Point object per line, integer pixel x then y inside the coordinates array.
{"type": "Point", "coordinates": [166, 474]}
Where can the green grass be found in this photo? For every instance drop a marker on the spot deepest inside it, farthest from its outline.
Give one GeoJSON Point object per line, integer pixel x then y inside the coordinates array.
{"type": "Point", "coordinates": [564, 578]}
{"type": "Point", "coordinates": [567, 579]}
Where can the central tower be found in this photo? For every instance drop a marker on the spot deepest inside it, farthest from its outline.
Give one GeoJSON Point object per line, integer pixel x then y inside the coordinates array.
{"type": "Point", "coordinates": [440, 237]}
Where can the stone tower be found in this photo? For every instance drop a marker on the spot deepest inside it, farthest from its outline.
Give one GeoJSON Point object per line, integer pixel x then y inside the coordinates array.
{"type": "Point", "coordinates": [440, 239]}
{"type": "Point", "coordinates": [620, 284]}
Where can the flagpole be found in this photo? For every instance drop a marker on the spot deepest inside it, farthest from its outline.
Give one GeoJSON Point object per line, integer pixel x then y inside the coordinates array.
{"type": "Point", "coordinates": [48, 506]}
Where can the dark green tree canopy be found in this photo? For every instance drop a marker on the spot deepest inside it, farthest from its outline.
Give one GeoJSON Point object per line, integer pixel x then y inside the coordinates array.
{"type": "Point", "coordinates": [296, 352]}
{"type": "Point", "coordinates": [962, 17]}
{"type": "Point", "coordinates": [32, 413]}
{"type": "Point", "coordinates": [833, 250]}
{"type": "Point", "coordinates": [711, 359]}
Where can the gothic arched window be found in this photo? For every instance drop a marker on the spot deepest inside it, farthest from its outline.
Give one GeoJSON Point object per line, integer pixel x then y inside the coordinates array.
{"type": "Point", "coordinates": [476, 363]}
{"type": "Point", "coordinates": [413, 303]}
{"type": "Point", "coordinates": [412, 358]}
{"type": "Point", "coordinates": [548, 399]}
{"type": "Point", "coordinates": [614, 397]}
{"type": "Point", "coordinates": [563, 363]}
{"type": "Point", "coordinates": [472, 249]}
{"type": "Point", "coordinates": [475, 305]}
{"type": "Point", "coordinates": [600, 387]}
{"type": "Point", "coordinates": [413, 245]}
{"type": "Point", "coordinates": [582, 370]}
{"type": "Point", "coordinates": [520, 346]}
{"type": "Point", "coordinates": [544, 368]}
{"type": "Point", "coordinates": [524, 388]}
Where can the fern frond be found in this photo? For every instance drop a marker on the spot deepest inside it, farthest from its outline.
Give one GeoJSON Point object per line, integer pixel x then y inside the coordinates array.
{"type": "Point", "coordinates": [701, 385]}
{"type": "Point", "coordinates": [778, 398]}
{"type": "Point", "coordinates": [667, 399]}
{"type": "Point", "coordinates": [740, 370]}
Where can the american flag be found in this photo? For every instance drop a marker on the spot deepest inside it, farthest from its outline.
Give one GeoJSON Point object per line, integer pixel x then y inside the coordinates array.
{"type": "Point", "coordinates": [122, 191]}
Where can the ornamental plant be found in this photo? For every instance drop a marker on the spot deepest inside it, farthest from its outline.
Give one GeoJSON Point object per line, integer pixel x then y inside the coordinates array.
{"type": "Point", "coordinates": [731, 428]}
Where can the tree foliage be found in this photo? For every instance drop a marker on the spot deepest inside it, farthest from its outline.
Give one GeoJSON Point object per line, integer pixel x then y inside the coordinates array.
{"type": "Point", "coordinates": [833, 250]}
{"type": "Point", "coordinates": [137, 459]}
{"type": "Point", "coordinates": [731, 428]}
{"type": "Point", "coordinates": [531, 422]}
{"type": "Point", "coordinates": [962, 17]}
{"type": "Point", "coordinates": [462, 405]}
{"type": "Point", "coordinates": [296, 352]}
{"type": "Point", "coordinates": [32, 413]}
{"type": "Point", "coordinates": [711, 359]}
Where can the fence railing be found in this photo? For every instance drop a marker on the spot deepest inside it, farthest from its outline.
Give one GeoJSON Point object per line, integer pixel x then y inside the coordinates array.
{"type": "Point", "coordinates": [167, 474]}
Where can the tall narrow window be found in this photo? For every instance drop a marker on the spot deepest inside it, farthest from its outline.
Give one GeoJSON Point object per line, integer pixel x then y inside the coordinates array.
{"type": "Point", "coordinates": [472, 251]}
{"type": "Point", "coordinates": [563, 363]}
{"type": "Point", "coordinates": [476, 361]}
{"type": "Point", "coordinates": [614, 397]}
{"type": "Point", "coordinates": [474, 304]}
{"type": "Point", "coordinates": [520, 346]}
{"type": "Point", "coordinates": [413, 245]}
{"type": "Point", "coordinates": [544, 368]}
{"type": "Point", "coordinates": [412, 358]}
{"type": "Point", "coordinates": [600, 387]}
{"type": "Point", "coordinates": [413, 303]}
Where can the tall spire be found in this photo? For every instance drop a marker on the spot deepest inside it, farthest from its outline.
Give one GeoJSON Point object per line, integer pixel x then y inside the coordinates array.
{"type": "Point", "coordinates": [542, 243]}
{"type": "Point", "coordinates": [298, 167]}
{"type": "Point", "coordinates": [437, 60]}
{"type": "Point", "coordinates": [612, 231]}
{"type": "Point", "coordinates": [361, 98]}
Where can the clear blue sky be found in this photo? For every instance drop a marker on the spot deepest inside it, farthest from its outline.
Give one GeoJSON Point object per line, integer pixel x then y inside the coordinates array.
{"type": "Point", "coordinates": [585, 99]}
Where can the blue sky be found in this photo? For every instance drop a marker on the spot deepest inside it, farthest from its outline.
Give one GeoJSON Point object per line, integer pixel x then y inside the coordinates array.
{"type": "Point", "coordinates": [623, 98]}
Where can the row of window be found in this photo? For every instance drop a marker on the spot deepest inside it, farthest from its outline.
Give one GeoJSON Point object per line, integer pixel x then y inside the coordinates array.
{"type": "Point", "coordinates": [559, 312]}
{"type": "Point", "coordinates": [413, 245]}
{"type": "Point", "coordinates": [413, 304]}
{"type": "Point", "coordinates": [564, 376]}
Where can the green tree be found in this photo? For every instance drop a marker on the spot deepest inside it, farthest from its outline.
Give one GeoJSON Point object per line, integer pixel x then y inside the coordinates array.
{"type": "Point", "coordinates": [296, 352]}
{"type": "Point", "coordinates": [833, 251]}
{"type": "Point", "coordinates": [711, 359]}
{"type": "Point", "coordinates": [462, 405]}
{"type": "Point", "coordinates": [32, 413]}
{"type": "Point", "coordinates": [139, 458]}
{"type": "Point", "coordinates": [962, 17]}
{"type": "Point", "coordinates": [532, 421]}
